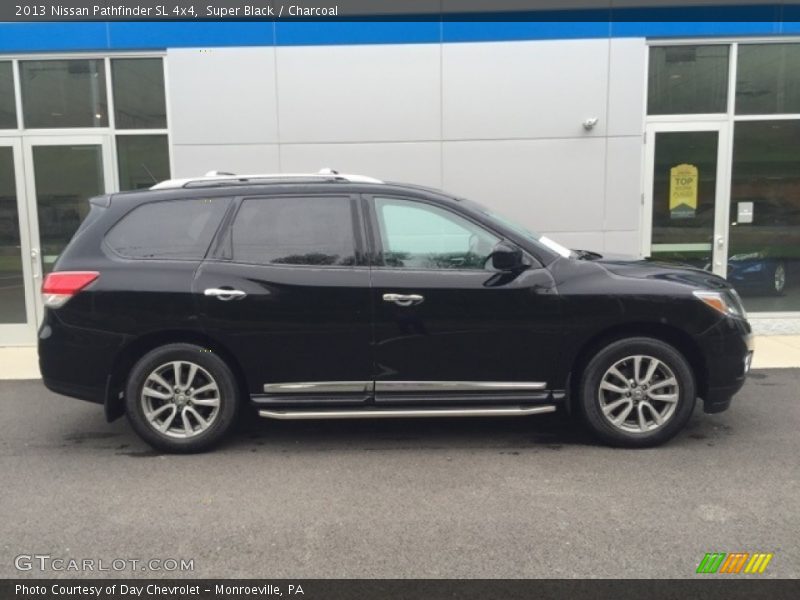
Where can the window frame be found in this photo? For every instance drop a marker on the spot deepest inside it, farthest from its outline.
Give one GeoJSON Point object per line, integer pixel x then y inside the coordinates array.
{"type": "Point", "coordinates": [730, 82]}
{"type": "Point", "coordinates": [728, 120]}
{"type": "Point", "coordinates": [110, 131]}
{"type": "Point", "coordinates": [212, 244]}
{"type": "Point", "coordinates": [376, 243]}
{"type": "Point", "coordinates": [222, 250]}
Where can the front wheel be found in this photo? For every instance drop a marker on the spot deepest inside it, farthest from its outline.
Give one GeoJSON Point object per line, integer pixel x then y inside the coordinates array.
{"type": "Point", "coordinates": [181, 398]}
{"type": "Point", "coordinates": [637, 392]}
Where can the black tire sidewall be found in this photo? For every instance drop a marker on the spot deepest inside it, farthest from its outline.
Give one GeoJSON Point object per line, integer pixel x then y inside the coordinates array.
{"type": "Point", "coordinates": [590, 405]}
{"type": "Point", "coordinates": [229, 400]}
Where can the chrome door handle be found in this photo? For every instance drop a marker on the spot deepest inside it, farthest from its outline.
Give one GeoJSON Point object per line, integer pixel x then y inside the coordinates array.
{"type": "Point", "coordinates": [224, 294]}
{"type": "Point", "coordinates": [403, 299]}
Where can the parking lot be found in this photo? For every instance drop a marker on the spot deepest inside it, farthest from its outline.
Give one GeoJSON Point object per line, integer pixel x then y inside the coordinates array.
{"type": "Point", "coordinates": [529, 497]}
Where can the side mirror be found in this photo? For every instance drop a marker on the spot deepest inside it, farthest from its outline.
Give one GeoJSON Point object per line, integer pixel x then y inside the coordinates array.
{"type": "Point", "coordinates": [506, 257]}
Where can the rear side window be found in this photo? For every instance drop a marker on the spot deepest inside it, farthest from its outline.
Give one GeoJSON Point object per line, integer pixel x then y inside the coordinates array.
{"type": "Point", "coordinates": [295, 231]}
{"type": "Point", "coordinates": [170, 229]}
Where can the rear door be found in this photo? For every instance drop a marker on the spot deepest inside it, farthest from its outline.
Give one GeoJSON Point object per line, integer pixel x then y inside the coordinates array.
{"type": "Point", "coordinates": [287, 292]}
{"type": "Point", "coordinates": [447, 325]}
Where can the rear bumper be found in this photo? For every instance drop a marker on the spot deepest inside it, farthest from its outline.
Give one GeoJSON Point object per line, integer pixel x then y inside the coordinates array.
{"type": "Point", "coordinates": [74, 361]}
{"type": "Point", "coordinates": [68, 388]}
{"type": "Point", "coordinates": [728, 349]}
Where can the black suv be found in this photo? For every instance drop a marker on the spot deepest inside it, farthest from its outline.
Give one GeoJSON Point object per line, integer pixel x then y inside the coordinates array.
{"type": "Point", "coordinates": [334, 296]}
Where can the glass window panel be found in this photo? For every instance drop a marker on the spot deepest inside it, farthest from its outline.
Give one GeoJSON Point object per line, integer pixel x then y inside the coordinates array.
{"type": "Point", "coordinates": [768, 79]}
{"type": "Point", "coordinates": [66, 177]}
{"type": "Point", "coordinates": [684, 195]}
{"type": "Point", "coordinates": [415, 235]}
{"type": "Point", "coordinates": [295, 231]}
{"type": "Point", "coordinates": [173, 229]}
{"type": "Point", "coordinates": [63, 93]}
{"type": "Point", "coordinates": [12, 290]}
{"type": "Point", "coordinates": [8, 109]}
{"type": "Point", "coordinates": [764, 242]}
{"type": "Point", "coordinates": [687, 79]}
{"type": "Point", "coordinates": [143, 160]}
{"type": "Point", "coordinates": [139, 93]}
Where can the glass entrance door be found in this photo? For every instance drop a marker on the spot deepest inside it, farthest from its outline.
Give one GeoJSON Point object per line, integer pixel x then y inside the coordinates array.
{"type": "Point", "coordinates": [687, 190]}
{"type": "Point", "coordinates": [17, 309]}
{"type": "Point", "coordinates": [61, 174]}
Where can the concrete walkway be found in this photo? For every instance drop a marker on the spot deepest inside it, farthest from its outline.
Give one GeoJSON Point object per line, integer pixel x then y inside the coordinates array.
{"type": "Point", "coordinates": [772, 352]}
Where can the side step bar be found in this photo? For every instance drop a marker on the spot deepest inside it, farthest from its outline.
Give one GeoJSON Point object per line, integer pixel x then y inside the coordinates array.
{"type": "Point", "coordinates": [511, 411]}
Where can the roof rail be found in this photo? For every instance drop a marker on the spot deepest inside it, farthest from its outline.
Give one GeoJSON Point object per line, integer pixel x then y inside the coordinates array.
{"type": "Point", "coordinates": [218, 178]}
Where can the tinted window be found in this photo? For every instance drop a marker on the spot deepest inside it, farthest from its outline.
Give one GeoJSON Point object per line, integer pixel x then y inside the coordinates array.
{"type": "Point", "coordinates": [687, 79]}
{"type": "Point", "coordinates": [139, 93]}
{"type": "Point", "coordinates": [143, 160]}
{"type": "Point", "coordinates": [173, 229]}
{"type": "Point", "coordinates": [767, 80]}
{"type": "Point", "coordinates": [12, 292]}
{"type": "Point", "coordinates": [8, 110]}
{"type": "Point", "coordinates": [64, 93]}
{"type": "Point", "coordinates": [765, 211]}
{"type": "Point", "coordinates": [415, 235]}
{"type": "Point", "coordinates": [66, 177]}
{"type": "Point", "coordinates": [295, 231]}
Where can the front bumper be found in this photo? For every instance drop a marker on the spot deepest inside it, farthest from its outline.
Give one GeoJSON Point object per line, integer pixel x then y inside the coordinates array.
{"type": "Point", "coordinates": [728, 348]}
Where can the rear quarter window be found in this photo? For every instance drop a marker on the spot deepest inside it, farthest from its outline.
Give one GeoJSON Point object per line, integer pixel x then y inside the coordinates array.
{"type": "Point", "coordinates": [172, 229]}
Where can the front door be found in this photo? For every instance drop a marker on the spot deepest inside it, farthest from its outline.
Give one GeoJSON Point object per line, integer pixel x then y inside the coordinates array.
{"type": "Point", "coordinates": [447, 325]}
{"type": "Point", "coordinates": [686, 194]}
{"type": "Point", "coordinates": [61, 174]}
{"type": "Point", "coordinates": [17, 303]}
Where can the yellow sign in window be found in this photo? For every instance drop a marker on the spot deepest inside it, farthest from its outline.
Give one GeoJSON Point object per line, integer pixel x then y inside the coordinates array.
{"type": "Point", "coordinates": [683, 180]}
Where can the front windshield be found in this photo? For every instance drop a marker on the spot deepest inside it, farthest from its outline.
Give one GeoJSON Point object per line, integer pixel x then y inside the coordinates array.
{"type": "Point", "coordinates": [521, 230]}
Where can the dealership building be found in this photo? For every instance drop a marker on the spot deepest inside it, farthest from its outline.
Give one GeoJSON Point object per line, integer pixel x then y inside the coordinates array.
{"type": "Point", "coordinates": [673, 139]}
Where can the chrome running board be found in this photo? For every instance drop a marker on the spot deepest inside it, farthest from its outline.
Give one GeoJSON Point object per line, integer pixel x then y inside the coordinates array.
{"type": "Point", "coordinates": [397, 413]}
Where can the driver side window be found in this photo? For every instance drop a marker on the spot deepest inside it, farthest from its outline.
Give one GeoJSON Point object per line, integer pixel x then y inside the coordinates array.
{"type": "Point", "coordinates": [415, 235]}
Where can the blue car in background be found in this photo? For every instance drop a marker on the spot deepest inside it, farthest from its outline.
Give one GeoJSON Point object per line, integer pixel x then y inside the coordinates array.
{"type": "Point", "coordinates": [757, 273]}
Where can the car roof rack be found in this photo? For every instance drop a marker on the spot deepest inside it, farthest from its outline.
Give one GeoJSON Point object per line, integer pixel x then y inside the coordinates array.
{"type": "Point", "coordinates": [221, 178]}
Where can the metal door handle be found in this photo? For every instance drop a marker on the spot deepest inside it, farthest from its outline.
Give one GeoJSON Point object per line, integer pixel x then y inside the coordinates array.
{"type": "Point", "coordinates": [403, 299]}
{"type": "Point", "coordinates": [224, 294]}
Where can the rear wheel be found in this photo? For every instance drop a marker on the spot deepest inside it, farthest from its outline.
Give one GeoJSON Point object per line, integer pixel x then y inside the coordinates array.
{"type": "Point", "coordinates": [778, 279]}
{"type": "Point", "coordinates": [181, 398]}
{"type": "Point", "coordinates": [637, 392]}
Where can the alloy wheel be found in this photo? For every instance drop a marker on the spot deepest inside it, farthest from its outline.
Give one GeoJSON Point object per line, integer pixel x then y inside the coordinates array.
{"type": "Point", "coordinates": [638, 394]}
{"type": "Point", "coordinates": [180, 399]}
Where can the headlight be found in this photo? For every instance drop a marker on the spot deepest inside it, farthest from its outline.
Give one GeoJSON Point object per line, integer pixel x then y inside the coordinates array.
{"type": "Point", "coordinates": [726, 302]}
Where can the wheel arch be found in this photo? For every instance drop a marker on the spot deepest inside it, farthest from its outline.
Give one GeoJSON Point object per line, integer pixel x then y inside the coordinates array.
{"type": "Point", "coordinates": [669, 334]}
{"type": "Point", "coordinates": [125, 359]}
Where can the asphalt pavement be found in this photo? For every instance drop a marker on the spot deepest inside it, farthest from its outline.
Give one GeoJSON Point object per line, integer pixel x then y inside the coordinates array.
{"type": "Point", "coordinates": [491, 497]}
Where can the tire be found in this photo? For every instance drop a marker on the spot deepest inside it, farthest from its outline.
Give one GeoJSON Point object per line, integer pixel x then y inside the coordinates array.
{"type": "Point", "coordinates": [778, 279]}
{"type": "Point", "coordinates": [672, 403]}
{"type": "Point", "coordinates": [206, 401]}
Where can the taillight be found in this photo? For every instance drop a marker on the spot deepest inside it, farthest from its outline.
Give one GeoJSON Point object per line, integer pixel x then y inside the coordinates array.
{"type": "Point", "coordinates": [60, 286]}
